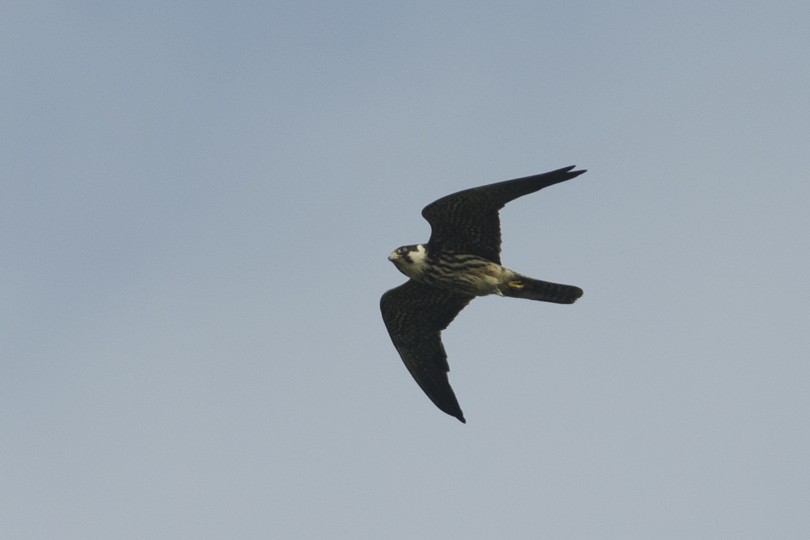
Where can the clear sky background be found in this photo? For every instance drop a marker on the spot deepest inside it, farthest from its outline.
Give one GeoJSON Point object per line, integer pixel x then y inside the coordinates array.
{"type": "Point", "coordinates": [197, 200]}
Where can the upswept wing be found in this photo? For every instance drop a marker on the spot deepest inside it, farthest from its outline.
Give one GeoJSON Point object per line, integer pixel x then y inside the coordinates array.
{"type": "Point", "coordinates": [415, 314]}
{"type": "Point", "coordinates": [467, 221]}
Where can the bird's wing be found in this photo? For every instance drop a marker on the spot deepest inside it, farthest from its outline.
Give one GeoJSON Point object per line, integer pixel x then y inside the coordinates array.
{"type": "Point", "coordinates": [467, 221]}
{"type": "Point", "coordinates": [415, 314]}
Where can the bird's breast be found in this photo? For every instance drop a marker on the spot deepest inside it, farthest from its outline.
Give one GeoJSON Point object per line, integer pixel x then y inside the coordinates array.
{"type": "Point", "coordinates": [468, 274]}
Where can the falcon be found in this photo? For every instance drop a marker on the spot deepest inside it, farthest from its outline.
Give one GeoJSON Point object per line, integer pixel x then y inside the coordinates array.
{"type": "Point", "coordinates": [460, 261]}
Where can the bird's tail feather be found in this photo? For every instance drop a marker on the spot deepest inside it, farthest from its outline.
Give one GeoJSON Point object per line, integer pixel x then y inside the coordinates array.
{"type": "Point", "coordinates": [534, 289]}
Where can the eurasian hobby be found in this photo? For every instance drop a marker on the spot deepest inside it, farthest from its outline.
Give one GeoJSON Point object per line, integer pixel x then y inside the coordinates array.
{"type": "Point", "coordinates": [460, 261]}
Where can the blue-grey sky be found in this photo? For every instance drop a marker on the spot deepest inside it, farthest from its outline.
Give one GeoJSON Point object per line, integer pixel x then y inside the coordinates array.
{"type": "Point", "coordinates": [197, 200]}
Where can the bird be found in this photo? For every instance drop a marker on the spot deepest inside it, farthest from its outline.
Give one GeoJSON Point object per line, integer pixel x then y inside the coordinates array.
{"type": "Point", "coordinates": [460, 261]}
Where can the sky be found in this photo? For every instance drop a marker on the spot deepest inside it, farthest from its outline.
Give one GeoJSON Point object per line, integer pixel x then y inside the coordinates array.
{"type": "Point", "coordinates": [197, 200]}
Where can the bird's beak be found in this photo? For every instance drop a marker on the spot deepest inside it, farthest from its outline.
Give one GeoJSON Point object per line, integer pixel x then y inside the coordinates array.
{"type": "Point", "coordinates": [393, 256]}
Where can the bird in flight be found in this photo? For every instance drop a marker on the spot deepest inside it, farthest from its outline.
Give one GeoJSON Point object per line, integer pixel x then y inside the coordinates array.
{"type": "Point", "coordinates": [460, 261]}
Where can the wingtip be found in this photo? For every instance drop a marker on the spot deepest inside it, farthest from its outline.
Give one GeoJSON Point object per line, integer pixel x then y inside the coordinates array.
{"type": "Point", "coordinates": [455, 413]}
{"type": "Point", "coordinates": [570, 172]}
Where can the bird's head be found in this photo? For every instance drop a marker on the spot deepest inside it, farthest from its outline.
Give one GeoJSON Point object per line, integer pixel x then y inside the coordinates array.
{"type": "Point", "coordinates": [410, 260]}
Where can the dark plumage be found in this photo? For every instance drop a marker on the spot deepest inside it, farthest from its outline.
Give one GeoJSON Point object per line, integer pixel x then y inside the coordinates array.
{"type": "Point", "coordinates": [460, 261]}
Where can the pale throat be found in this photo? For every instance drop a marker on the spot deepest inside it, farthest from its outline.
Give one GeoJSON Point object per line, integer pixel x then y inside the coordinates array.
{"type": "Point", "coordinates": [419, 255]}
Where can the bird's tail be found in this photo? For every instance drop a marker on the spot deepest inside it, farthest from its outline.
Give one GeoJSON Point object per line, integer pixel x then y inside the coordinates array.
{"type": "Point", "coordinates": [534, 289]}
